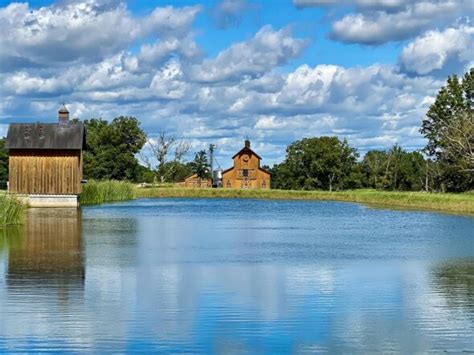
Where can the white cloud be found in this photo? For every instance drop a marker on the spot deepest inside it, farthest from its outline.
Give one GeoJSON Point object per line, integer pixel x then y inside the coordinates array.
{"type": "Point", "coordinates": [450, 49]}
{"type": "Point", "coordinates": [375, 22]}
{"type": "Point", "coordinates": [266, 50]}
{"type": "Point", "coordinates": [229, 13]}
{"type": "Point", "coordinates": [248, 89]}
{"type": "Point", "coordinates": [372, 4]}
{"type": "Point", "coordinates": [80, 31]}
{"type": "Point", "coordinates": [378, 27]}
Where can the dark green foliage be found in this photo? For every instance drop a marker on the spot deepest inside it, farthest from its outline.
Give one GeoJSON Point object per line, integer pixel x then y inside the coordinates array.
{"type": "Point", "coordinates": [449, 128]}
{"type": "Point", "coordinates": [394, 169]}
{"type": "Point", "coordinates": [111, 149]}
{"type": "Point", "coordinates": [200, 165]}
{"type": "Point", "coordinates": [145, 174]}
{"type": "Point", "coordinates": [451, 99]}
{"type": "Point", "coordinates": [177, 171]}
{"type": "Point", "coordinates": [312, 162]}
{"type": "Point", "coordinates": [3, 165]}
{"type": "Point", "coordinates": [316, 163]}
{"type": "Point", "coordinates": [374, 166]}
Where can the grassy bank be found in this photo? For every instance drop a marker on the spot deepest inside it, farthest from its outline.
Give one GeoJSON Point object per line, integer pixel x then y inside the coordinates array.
{"type": "Point", "coordinates": [12, 211]}
{"type": "Point", "coordinates": [459, 203]}
{"type": "Point", "coordinates": [95, 192]}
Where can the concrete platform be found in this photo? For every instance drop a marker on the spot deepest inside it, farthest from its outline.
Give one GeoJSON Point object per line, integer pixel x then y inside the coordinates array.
{"type": "Point", "coordinates": [50, 200]}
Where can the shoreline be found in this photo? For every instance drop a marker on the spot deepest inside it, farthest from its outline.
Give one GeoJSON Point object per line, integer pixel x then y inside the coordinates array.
{"type": "Point", "coordinates": [441, 202]}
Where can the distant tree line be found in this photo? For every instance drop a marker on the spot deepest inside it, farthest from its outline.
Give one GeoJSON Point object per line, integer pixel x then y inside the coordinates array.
{"type": "Point", "coordinates": [328, 163]}
{"type": "Point", "coordinates": [115, 152]}
{"type": "Point", "coordinates": [447, 164]}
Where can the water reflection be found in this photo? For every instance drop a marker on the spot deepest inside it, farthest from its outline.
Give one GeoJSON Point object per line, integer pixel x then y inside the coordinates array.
{"type": "Point", "coordinates": [455, 281]}
{"type": "Point", "coordinates": [48, 252]}
{"type": "Point", "coordinates": [223, 276]}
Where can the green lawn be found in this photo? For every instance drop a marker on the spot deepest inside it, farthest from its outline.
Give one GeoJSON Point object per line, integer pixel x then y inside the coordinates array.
{"type": "Point", "coordinates": [458, 203]}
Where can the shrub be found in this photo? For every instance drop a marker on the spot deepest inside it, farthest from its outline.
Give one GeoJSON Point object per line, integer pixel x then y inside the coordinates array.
{"type": "Point", "coordinates": [95, 192]}
{"type": "Point", "coordinates": [12, 211]}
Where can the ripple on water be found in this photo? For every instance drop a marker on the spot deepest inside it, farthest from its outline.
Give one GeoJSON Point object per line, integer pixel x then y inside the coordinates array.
{"type": "Point", "coordinates": [237, 275]}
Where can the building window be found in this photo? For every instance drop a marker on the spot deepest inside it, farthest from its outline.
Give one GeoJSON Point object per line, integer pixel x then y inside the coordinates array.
{"type": "Point", "coordinates": [228, 183]}
{"type": "Point", "coordinates": [245, 173]}
{"type": "Point", "coordinates": [264, 184]}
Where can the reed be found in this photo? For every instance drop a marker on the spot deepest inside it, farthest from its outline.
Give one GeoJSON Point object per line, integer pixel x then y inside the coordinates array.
{"type": "Point", "coordinates": [95, 192]}
{"type": "Point", "coordinates": [458, 203]}
{"type": "Point", "coordinates": [12, 211]}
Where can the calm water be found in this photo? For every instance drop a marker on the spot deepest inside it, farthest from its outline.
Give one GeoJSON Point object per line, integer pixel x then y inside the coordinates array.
{"type": "Point", "coordinates": [235, 276]}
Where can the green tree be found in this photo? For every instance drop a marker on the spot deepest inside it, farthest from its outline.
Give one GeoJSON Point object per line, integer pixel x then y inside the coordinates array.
{"type": "Point", "coordinates": [176, 171]}
{"type": "Point", "coordinates": [448, 127]}
{"type": "Point", "coordinates": [394, 169]}
{"type": "Point", "coordinates": [316, 163]}
{"type": "Point", "coordinates": [374, 166]}
{"type": "Point", "coordinates": [458, 136]}
{"type": "Point", "coordinates": [200, 165]}
{"type": "Point", "coordinates": [411, 175]}
{"type": "Point", "coordinates": [3, 164]}
{"type": "Point", "coordinates": [111, 149]}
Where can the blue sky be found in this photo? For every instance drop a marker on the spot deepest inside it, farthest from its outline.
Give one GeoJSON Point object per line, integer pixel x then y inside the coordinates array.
{"type": "Point", "coordinates": [223, 70]}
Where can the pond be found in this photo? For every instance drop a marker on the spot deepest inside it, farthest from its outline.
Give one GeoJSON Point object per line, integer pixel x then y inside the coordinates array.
{"type": "Point", "coordinates": [231, 275]}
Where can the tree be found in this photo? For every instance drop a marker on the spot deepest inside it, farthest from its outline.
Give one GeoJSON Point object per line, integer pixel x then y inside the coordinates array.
{"type": "Point", "coordinates": [394, 169]}
{"type": "Point", "coordinates": [448, 127]}
{"type": "Point", "coordinates": [458, 138]}
{"type": "Point", "coordinates": [161, 149]}
{"type": "Point", "coordinates": [316, 163]}
{"type": "Point", "coordinates": [3, 164]}
{"type": "Point", "coordinates": [453, 98]}
{"type": "Point", "coordinates": [374, 166]}
{"type": "Point", "coordinates": [200, 165]}
{"type": "Point", "coordinates": [111, 149]}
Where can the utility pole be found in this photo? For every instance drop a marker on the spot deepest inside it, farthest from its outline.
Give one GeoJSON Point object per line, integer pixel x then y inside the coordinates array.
{"type": "Point", "coordinates": [211, 161]}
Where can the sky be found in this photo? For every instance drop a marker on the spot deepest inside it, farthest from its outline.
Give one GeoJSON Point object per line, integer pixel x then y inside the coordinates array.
{"type": "Point", "coordinates": [222, 71]}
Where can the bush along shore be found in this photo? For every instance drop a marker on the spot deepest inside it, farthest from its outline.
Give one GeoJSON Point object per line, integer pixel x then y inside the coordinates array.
{"type": "Point", "coordinates": [457, 203]}
{"type": "Point", "coordinates": [95, 192]}
{"type": "Point", "coordinates": [12, 211]}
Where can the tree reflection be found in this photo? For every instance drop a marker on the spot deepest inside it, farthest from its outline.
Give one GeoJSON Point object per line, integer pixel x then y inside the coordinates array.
{"type": "Point", "coordinates": [11, 236]}
{"type": "Point", "coordinates": [47, 251]}
{"type": "Point", "coordinates": [455, 281]}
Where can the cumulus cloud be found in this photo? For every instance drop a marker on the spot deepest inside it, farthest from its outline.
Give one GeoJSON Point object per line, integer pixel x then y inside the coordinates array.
{"type": "Point", "coordinates": [378, 27]}
{"type": "Point", "coordinates": [229, 13]}
{"type": "Point", "coordinates": [389, 5]}
{"type": "Point", "coordinates": [376, 22]}
{"type": "Point", "coordinates": [444, 52]}
{"type": "Point", "coordinates": [266, 50]}
{"type": "Point", "coordinates": [152, 68]}
{"type": "Point", "coordinates": [80, 31]}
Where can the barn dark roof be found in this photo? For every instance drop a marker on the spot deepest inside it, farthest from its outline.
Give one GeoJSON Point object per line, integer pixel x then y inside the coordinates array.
{"type": "Point", "coordinates": [45, 136]}
{"type": "Point", "coordinates": [63, 109]}
{"type": "Point", "coordinates": [247, 150]}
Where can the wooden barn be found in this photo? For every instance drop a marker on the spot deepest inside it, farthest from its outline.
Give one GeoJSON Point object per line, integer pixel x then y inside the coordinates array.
{"type": "Point", "coordinates": [246, 172]}
{"type": "Point", "coordinates": [195, 181]}
{"type": "Point", "coordinates": [46, 160]}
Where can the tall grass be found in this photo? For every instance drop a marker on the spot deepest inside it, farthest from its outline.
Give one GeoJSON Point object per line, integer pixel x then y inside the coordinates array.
{"type": "Point", "coordinates": [95, 192]}
{"type": "Point", "coordinates": [463, 203]}
{"type": "Point", "coordinates": [12, 211]}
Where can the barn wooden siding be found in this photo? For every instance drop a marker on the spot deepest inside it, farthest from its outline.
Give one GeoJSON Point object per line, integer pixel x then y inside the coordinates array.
{"type": "Point", "coordinates": [195, 181]}
{"type": "Point", "coordinates": [246, 172]}
{"type": "Point", "coordinates": [48, 172]}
